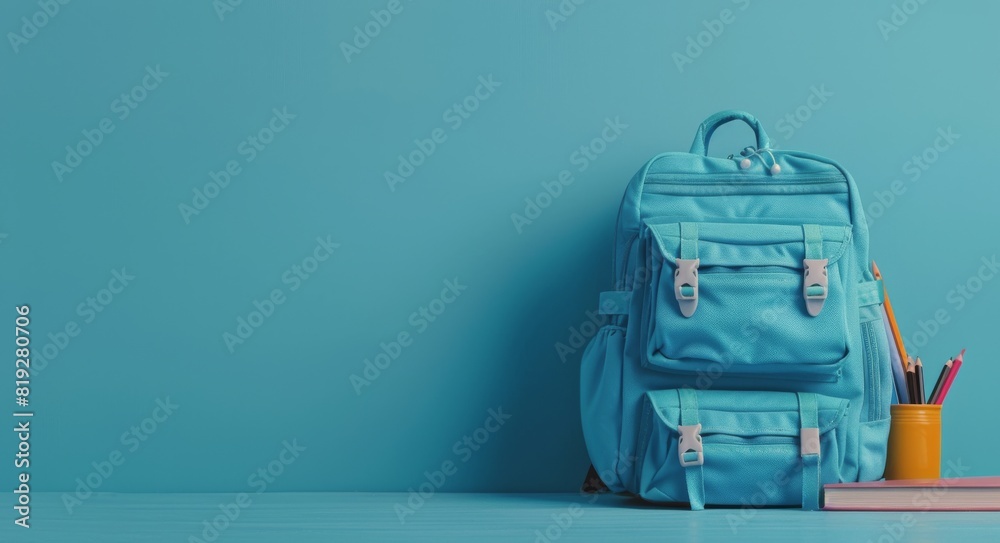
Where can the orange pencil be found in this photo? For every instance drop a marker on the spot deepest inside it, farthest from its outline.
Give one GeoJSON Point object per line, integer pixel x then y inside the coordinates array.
{"type": "Point", "coordinates": [892, 317]}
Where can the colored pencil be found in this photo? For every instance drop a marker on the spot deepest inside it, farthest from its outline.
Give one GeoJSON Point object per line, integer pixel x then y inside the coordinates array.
{"type": "Point", "coordinates": [898, 367]}
{"type": "Point", "coordinates": [911, 380]}
{"type": "Point", "coordinates": [936, 391]}
{"type": "Point", "coordinates": [896, 335]}
{"type": "Point", "coordinates": [955, 367]}
{"type": "Point", "coordinates": [919, 371]}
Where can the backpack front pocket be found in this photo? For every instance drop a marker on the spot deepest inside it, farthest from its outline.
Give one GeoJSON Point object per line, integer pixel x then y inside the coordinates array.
{"type": "Point", "coordinates": [745, 299]}
{"type": "Point", "coordinates": [739, 448]}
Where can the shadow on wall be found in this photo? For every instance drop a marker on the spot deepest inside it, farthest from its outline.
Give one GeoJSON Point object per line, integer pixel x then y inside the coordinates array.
{"type": "Point", "coordinates": [546, 446]}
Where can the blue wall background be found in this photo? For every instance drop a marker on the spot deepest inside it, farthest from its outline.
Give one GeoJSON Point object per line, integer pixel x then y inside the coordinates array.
{"type": "Point", "coordinates": [880, 96]}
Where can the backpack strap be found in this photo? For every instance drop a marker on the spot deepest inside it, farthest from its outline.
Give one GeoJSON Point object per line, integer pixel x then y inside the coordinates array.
{"type": "Point", "coordinates": [814, 286]}
{"type": "Point", "coordinates": [689, 448]}
{"type": "Point", "coordinates": [615, 302]}
{"type": "Point", "coordinates": [812, 477]}
{"type": "Point", "coordinates": [686, 274]}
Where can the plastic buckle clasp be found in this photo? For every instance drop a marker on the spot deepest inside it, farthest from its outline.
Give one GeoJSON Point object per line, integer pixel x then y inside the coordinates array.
{"type": "Point", "coordinates": [815, 286]}
{"type": "Point", "coordinates": [809, 441]}
{"type": "Point", "coordinates": [686, 285]}
{"type": "Point", "coordinates": [690, 442]}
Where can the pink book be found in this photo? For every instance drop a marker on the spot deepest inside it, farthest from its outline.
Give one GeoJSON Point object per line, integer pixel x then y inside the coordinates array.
{"type": "Point", "coordinates": [960, 494]}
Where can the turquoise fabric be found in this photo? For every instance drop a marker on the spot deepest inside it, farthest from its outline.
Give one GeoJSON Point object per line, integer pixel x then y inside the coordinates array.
{"type": "Point", "coordinates": [694, 474]}
{"type": "Point", "coordinates": [812, 473]}
{"type": "Point", "coordinates": [746, 360]}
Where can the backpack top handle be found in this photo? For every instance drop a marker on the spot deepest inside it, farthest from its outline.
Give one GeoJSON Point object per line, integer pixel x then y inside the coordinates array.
{"type": "Point", "coordinates": [707, 128]}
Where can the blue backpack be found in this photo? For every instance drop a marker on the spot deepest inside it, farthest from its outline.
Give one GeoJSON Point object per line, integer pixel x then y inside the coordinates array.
{"type": "Point", "coordinates": [744, 361]}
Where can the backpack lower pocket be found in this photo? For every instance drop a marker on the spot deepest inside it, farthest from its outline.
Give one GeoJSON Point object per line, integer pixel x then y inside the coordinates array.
{"type": "Point", "coordinates": [738, 447]}
{"type": "Point", "coordinates": [601, 401]}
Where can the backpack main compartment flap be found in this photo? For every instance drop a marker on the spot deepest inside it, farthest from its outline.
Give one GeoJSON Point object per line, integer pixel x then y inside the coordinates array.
{"type": "Point", "coordinates": [737, 244]}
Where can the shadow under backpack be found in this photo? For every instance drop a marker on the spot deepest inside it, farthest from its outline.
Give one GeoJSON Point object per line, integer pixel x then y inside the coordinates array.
{"type": "Point", "coordinates": [744, 361]}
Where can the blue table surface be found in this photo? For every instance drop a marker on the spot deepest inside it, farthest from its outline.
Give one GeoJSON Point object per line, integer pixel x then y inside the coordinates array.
{"type": "Point", "coordinates": [442, 517]}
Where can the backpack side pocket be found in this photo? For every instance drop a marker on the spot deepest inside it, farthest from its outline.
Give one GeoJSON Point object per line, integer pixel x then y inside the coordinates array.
{"type": "Point", "coordinates": [601, 402]}
{"type": "Point", "coordinates": [878, 356]}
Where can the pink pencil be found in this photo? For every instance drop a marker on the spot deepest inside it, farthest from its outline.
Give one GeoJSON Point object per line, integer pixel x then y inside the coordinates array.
{"type": "Point", "coordinates": [955, 366]}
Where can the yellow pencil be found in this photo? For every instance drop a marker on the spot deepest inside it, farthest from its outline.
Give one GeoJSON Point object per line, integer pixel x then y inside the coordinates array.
{"type": "Point", "coordinates": [892, 318]}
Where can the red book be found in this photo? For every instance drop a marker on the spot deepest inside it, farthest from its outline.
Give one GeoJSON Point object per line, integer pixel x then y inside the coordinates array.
{"type": "Point", "coordinates": [959, 494]}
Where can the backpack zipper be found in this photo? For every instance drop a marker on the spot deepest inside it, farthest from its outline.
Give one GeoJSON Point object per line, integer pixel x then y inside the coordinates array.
{"type": "Point", "coordinates": [820, 375]}
{"type": "Point", "coordinates": [730, 439]}
{"type": "Point", "coordinates": [764, 268]}
{"type": "Point", "coordinates": [871, 369]}
{"type": "Point", "coordinates": [741, 179]}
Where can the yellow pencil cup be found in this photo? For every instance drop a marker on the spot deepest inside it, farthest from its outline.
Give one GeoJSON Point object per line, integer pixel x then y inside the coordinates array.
{"type": "Point", "coordinates": [914, 442]}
